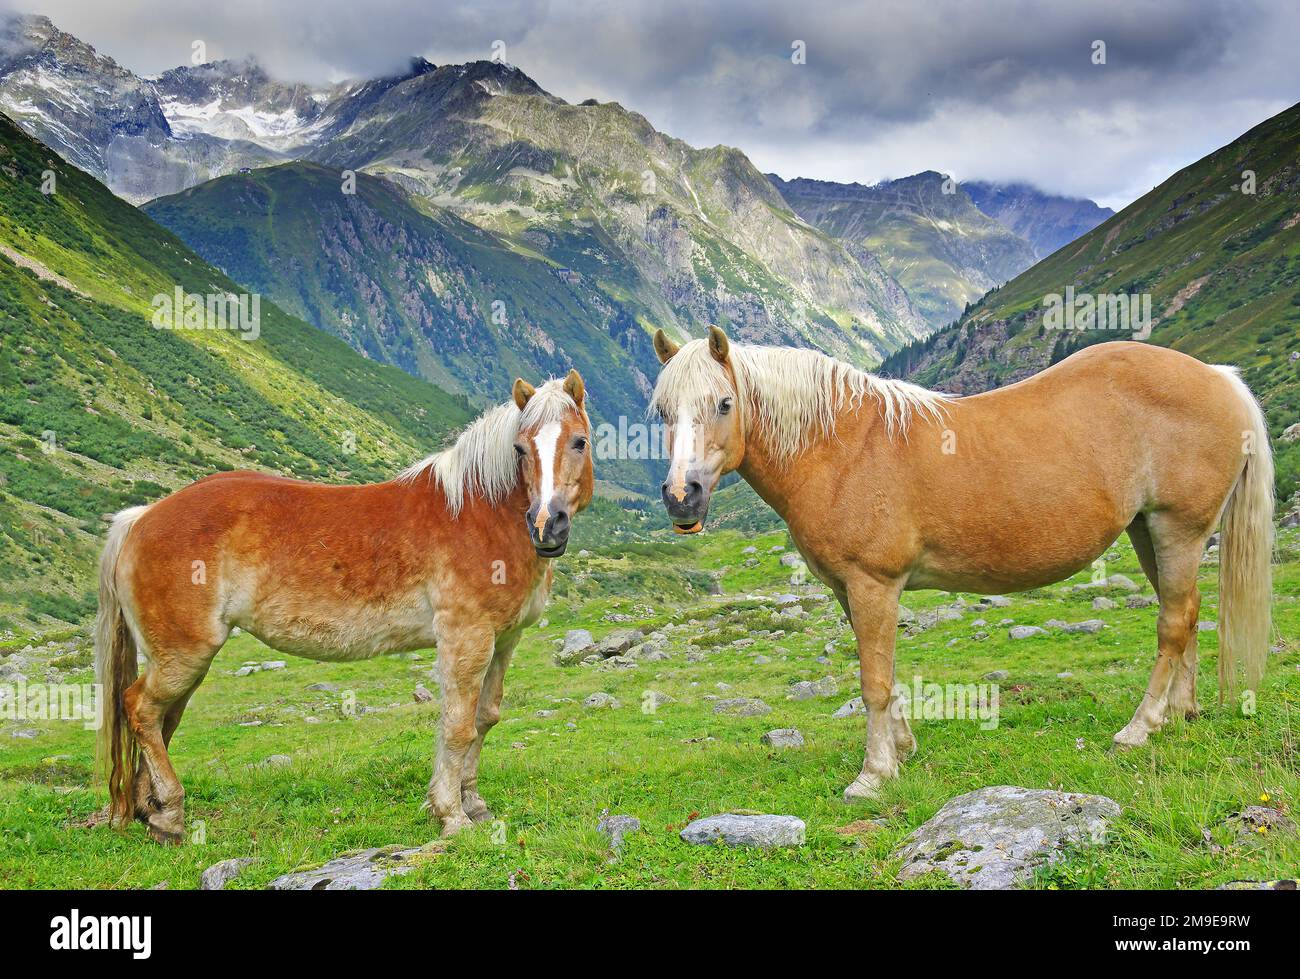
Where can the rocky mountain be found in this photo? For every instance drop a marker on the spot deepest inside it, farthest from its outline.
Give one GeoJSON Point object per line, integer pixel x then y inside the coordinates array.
{"type": "Point", "coordinates": [681, 236]}
{"type": "Point", "coordinates": [1047, 221]}
{"type": "Point", "coordinates": [424, 290]}
{"type": "Point", "coordinates": [925, 230]}
{"type": "Point", "coordinates": [100, 408]}
{"type": "Point", "coordinates": [1216, 251]}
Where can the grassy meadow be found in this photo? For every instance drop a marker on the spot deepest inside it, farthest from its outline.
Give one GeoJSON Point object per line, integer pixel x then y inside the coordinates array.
{"type": "Point", "coordinates": [359, 755]}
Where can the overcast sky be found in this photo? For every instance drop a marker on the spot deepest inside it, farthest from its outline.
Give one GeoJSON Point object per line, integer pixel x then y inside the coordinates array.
{"type": "Point", "coordinates": [982, 90]}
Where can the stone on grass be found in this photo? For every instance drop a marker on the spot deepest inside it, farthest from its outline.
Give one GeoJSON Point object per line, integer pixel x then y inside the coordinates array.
{"type": "Point", "coordinates": [993, 838]}
{"type": "Point", "coordinates": [422, 694]}
{"type": "Point", "coordinates": [996, 601]}
{"type": "Point", "coordinates": [1089, 626]}
{"type": "Point", "coordinates": [601, 701]}
{"type": "Point", "coordinates": [1206, 625]}
{"type": "Point", "coordinates": [1255, 822]}
{"type": "Point", "coordinates": [850, 709]}
{"type": "Point", "coordinates": [617, 827]}
{"type": "Point", "coordinates": [762, 831]}
{"type": "Point", "coordinates": [364, 870]}
{"type": "Point", "coordinates": [1258, 885]}
{"type": "Point", "coordinates": [323, 687]}
{"type": "Point", "coordinates": [791, 560]}
{"type": "Point", "coordinates": [1103, 604]}
{"type": "Point", "coordinates": [1025, 631]}
{"type": "Point", "coordinates": [1140, 601]}
{"type": "Point", "coordinates": [741, 707]}
{"type": "Point", "coordinates": [996, 676]}
{"type": "Point", "coordinates": [216, 877]}
{"type": "Point", "coordinates": [275, 664]}
{"type": "Point", "coordinates": [812, 689]}
{"type": "Point", "coordinates": [577, 644]}
{"type": "Point", "coordinates": [652, 700]}
{"type": "Point", "coordinates": [276, 761]}
{"type": "Point", "coordinates": [618, 642]}
{"type": "Point", "coordinates": [783, 737]}
{"type": "Point", "coordinates": [248, 670]}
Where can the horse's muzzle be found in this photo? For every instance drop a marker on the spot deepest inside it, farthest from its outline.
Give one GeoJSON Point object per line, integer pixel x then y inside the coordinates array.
{"type": "Point", "coordinates": [687, 505]}
{"type": "Point", "coordinates": [553, 537]}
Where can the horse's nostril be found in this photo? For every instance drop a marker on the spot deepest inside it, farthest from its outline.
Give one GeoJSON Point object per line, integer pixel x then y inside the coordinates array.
{"type": "Point", "coordinates": [694, 489]}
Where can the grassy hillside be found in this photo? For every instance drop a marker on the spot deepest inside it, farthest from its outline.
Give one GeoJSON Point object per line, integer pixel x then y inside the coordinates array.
{"type": "Point", "coordinates": [926, 232]}
{"type": "Point", "coordinates": [99, 410]}
{"type": "Point", "coordinates": [1222, 268]}
{"type": "Point", "coordinates": [294, 766]}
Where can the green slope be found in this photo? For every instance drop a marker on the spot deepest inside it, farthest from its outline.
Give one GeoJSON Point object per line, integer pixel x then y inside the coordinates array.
{"type": "Point", "coordinates": [925, 231]}
{"type": "Point", "coordinates": [136, 411]}
{"type": "Point", "coordinates": [423, 290]}
{"type": "Point", "coordinates": [1222, 268]}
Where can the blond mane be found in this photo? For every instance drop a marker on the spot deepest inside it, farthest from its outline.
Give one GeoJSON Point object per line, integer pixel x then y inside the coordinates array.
{"type": "Point", "coordinates": [482, 461]}
{"type": "Point", "coordinates": [791, 396]}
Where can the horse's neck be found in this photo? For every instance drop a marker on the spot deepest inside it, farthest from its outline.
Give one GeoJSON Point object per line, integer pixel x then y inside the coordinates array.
{"type": "Point", "coordinates": [784, 485]}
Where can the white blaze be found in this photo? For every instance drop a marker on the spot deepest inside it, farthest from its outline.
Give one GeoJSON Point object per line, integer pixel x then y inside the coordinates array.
{"type": "Point", "coordinates": [683, 455]}
{"type": "Point", "coordinates": [546, 440]}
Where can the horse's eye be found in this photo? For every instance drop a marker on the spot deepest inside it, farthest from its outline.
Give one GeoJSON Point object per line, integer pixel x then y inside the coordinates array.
{"type": "Point", "coordinates": [580, 444]}
{"type": "Point", "coordinates": [519, 451]}
{"type": "Point", "coordinates": [725, 406]}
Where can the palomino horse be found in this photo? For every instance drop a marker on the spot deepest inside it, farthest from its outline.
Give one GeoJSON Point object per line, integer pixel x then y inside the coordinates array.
{"type": "Point", "coordinates": [452, 553]}
{"type": "Point", "coordinates": [886, 486]}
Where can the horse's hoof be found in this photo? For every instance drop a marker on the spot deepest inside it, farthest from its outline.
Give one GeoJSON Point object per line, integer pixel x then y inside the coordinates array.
{"type": "Point", "coordinates": [452, 826]}
{"type": "Point", "coordinates": [1130, 739]}
{"type": "Point", "coordinates": [480, 815]}
{"type": "Point", "coordinates": [862, 787]}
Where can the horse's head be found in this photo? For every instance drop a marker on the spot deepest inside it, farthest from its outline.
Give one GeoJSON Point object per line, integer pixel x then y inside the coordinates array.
{"type": "Point", "coordinates": [554, 453]}
{"type": "Point", "coordinates": [697, 398]}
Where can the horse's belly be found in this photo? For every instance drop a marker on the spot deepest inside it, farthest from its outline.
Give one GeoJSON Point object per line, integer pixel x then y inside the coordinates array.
{"type": "Point", "coordinates": [339, 633]}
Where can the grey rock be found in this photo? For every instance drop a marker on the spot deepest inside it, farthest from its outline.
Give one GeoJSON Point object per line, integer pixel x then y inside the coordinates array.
{"type": "Point", "coordinates": [277, 761]}
{"type": "Point", "coordinates": [577, 644]}
{"type": "Point", "coordinates": [784, 737]}
{"type": "Point", "coordinates": [216, 877]}
{"type": "Point", "coordinates": [26, 734]}
{"type": "Point", "coordinates": [996, 676]}
{"type": "Point", "coordinates": [750, 550]}
{"type": "Point", "coordinates": [1140, 601]}
{"type": "Point", "coordinates": [275, 664]}
{"type": "Point", "coordinates": [617, 827]}
{"type": "Point", "coordinates": [544, 713]}
{"type": "Point", "coordinates": [1206, 625]}
{"type": "Point", "coordinates": [601, 701]}
{"type": "Point", "coordinates": [361, 871]}
{"type": "Point", "coordinates": [618, 642]}
{"type": "Point", "coordinates": [761, 660]}
{"type": "Point", "coordinates": [1089, 626]}
{"type": "Point", "coordinates": [652, 700]}
{"type": "Point", "coordinates": [1103, 604]}
{"type": "Point", "coordinates": [1025, 631]}
{"type": "Point", "coordinates": [248, 670]}
{"type": "Point", "coordinates": [1256, 821]}
{"type": "Point", "coordinates": [993, 838]}
{"type": "Point", "coordinates": [1258, 885]}
{"type": "Point", "coordinates": [762, 831]}
{"type": "Point", "coordinates": [617, 663]}
{"type": "Point", "coordinates": [742, 643]}
{"type": "Point", "coordinates": [323, 687]}
{"type": "Point", "coordinates": [422, 694]}
{"type": "Point", "coordinates": [1119, 581]}
{"type": "Point", "coordinates": [791, 560]}
{"type": "Point", "coordinates": [996, 601]}
{"type": "Point", "coordinates": [742, 707]}
{"type": "Point", "coordinates": [851, 708]}
{"type": "Point", "coordinates": [811, 689]}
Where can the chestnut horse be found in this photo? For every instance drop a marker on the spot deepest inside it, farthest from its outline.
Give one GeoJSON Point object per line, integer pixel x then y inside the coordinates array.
{"type": "Point", "coordinates": [453, 553]}
{"type": "Point", "coordinates": [886, 487]}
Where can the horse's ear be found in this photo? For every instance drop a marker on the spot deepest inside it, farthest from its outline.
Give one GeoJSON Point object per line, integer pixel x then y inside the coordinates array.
{"type": "Point", "coordinates": [574, 387]}
{"type": "Point", "coordinates": [664, 348]}
{"type": "Point", "coordinates": [719, 346]}
{"type": "Point", "coordinates": [523, 391]}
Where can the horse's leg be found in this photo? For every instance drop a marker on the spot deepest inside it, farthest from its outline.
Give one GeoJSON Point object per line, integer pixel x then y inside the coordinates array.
{"type": "Point", "coordinates": [463, 660]}
{"type": "Point", "coordinates": [875, 621]}
{"type": "Point", "coordinates": [1182, 692]}
{"type": "Point", "coordinates": [1177, 549]}
{"type": "Point", "coordinates": [168, 682]}
{"type": "Point", "coordinates": [489, 712]}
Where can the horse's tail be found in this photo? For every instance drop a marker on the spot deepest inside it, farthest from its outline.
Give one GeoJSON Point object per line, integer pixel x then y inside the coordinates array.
{"type": "Point", "coordinates": [1246, 556]}
{"type": "Point", "coordinates": [115, 670]}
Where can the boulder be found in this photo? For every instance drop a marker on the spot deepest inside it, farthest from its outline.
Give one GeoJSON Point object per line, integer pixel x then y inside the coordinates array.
{"type": "Point", "coordinates": [993, 838]}
{"type": "Point", "coordinates": [216, 877]}
{"type": "Point", "coordinates": [364, 870]}
{"type": "Point", "coordinates": [1140, 601]}
{"type": "Point", "coordinates": [1088, 626]}
{"type": "Point", "coordinates": [850, 708]}
{"type": "Point", "coordinates": [764, 831]}
{"type": "Point", "coordinates": [617, 827]}
{"type": "Point", "coordinates": [784, 737]}
{"type": "Point", "coordinates": [577, 644]}
{"type": "Point", "coordinates": [1025, 631]}
{"type": "Point", "coordinates": [742, 707]}
{"type": "Point", "coordinates": [601, 701]}
{"type": "Point", "coordinates": [617, 642]}
{"type": "Point", "coordinates": [1103, 604]}
{"type": "Point", "coordinates": [827, 686]}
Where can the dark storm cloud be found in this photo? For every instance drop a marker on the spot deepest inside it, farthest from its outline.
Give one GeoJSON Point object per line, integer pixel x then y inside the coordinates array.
{"type": "Point", "coordinates": [1001, 91]}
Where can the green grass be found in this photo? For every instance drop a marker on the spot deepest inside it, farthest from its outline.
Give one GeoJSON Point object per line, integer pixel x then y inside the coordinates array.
{"type": "Point", "coordinates": [358, 780]}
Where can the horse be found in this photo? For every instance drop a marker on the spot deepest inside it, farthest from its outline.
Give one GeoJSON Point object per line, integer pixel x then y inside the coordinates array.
{"type": "Point", "coordinates": [454, 553]}
{"type": "Point", "coordinates": [886, 487]}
